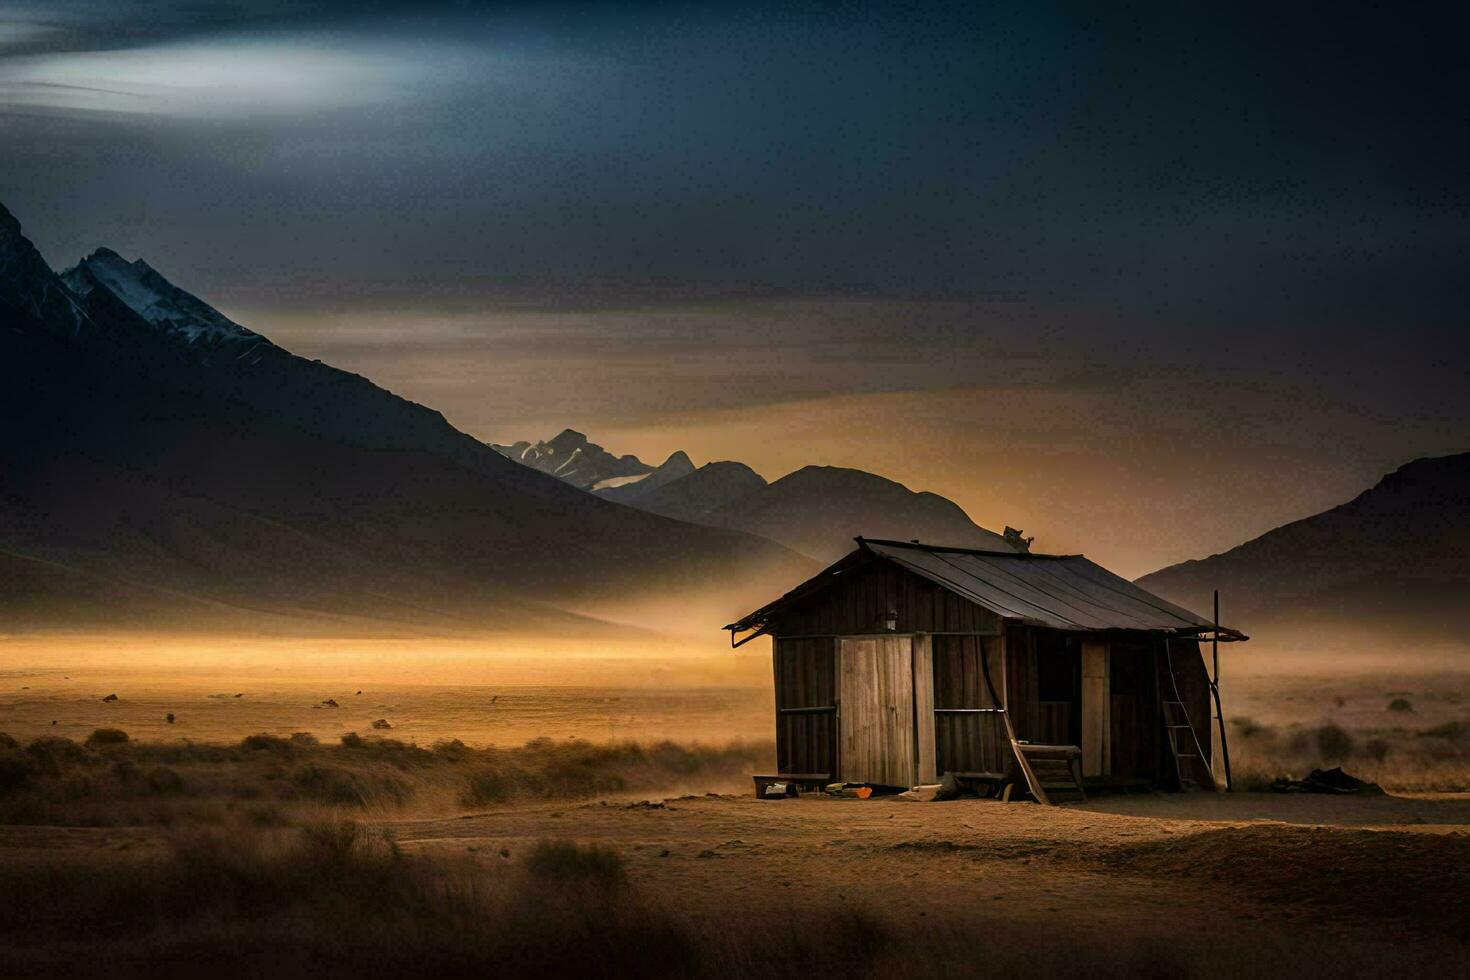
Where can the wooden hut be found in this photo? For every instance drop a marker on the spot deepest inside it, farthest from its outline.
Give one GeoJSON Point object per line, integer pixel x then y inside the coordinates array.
{"type": "Point", "coordinates": [903, 662]}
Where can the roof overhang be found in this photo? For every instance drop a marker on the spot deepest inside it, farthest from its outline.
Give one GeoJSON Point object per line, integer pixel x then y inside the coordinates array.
{"type": "Point", "coordinates": [1066, 592]}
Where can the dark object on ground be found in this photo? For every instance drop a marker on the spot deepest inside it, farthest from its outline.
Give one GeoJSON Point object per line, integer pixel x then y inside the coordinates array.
{"type": "Point", "coordinates": [1400, 704]}
{"type": "Point", "coordinates": [1326, 781]}
{"type": "Point", "coordinates": [110, 697]}
{"type": "Point", "coordinates": [169, 717]}
{"type": "Point", "coordinates": [329, 703]}
{"type": "Point", "coordinates": [798, 781]}
{"type": "Point", "coordinates": [240, 695]}
{"type": "Point", "coordinates": [382, 723]}
{"type": "Point", "coordinates": [359, 692]}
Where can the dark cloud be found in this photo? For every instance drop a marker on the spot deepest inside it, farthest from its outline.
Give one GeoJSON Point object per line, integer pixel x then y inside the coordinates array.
{"type": "Point", "coordinates": [1266, 203]}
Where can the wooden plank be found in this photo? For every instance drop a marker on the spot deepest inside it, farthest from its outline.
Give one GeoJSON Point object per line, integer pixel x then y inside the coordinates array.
{"type": "Point", "coordinates": [1096, 731]}
{"type": "Point", "coordinates": [896, 731]}
{"type": "Point", "coordinates": [923, 686]}
{"type": "Point", "coordinates": [858, 698]}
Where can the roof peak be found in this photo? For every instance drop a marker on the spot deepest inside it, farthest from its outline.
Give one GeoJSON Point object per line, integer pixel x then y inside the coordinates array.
{"type": "Point", "coordinates": [920, 546]}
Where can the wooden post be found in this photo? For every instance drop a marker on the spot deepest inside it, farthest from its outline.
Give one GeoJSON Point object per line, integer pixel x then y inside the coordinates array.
{"type": "Point", "coordinates": [923, 681]}
{"type": "Point", "coordinates": [1215, 690]}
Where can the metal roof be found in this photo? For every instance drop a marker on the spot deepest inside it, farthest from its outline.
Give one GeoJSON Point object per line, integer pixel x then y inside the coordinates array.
{"type": "Point", "coordinates": [1065, 592]}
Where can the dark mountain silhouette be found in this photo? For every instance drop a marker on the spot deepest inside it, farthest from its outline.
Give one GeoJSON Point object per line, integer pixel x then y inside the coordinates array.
{"type": "Point", "coordinates": [818, 510]}
{"type": "Point", "coordinates": [159, 461]}
{"type": "Point", "coordinates": [701, 495]}
{"type": "Point", "coordinates": [1395, 557]}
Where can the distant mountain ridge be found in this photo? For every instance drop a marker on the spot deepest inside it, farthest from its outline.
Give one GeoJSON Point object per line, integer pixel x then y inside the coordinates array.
{"type": "Point", "coordinates": [817, 510]}
{"type": "Point", "coordinates": [568, 456]}
{"type": "Point", "coordinates": [1396, 556]}
{"type": "Point", "coordinates": [159, 460]}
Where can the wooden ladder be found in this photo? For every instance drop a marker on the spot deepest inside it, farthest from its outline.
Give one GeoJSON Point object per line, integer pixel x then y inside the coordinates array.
{"type": "Point", "coordinates": [1176, 722]}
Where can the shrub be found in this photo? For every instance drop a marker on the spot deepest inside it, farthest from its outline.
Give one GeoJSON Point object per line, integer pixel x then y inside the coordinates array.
{"type": "Point", "coordinates": [104, 737]}
{"type": "Point", "coordinates": [1451, 730]}
{"type": "Point", "coordinates": [15, 770]}
{"type": "Point", "coordinates": [1376, 749]}
{"type": "Point", "coordinates": [348, 787]}
{"type": "Point", "coordinates": [487, 786]}
{"type": "Point", "coordinates": [164, 781]}
{"type": "Point", "coordinates": [577, 864]}
{"type": "Point", "coordinates": [1247, 726]}
{"type": "Point", "coordinates": [329, 784]}
{"type": "Point", "coordinates": [1334, 743]}
{"type": "Point", "coordinates": [6, 742]}
{"type": "Point", "coordinates": [1400, 704]}
{"type": "Point", "coordinates": [264, 742]}
{"type": "Point", "coordinates": [54, 755]}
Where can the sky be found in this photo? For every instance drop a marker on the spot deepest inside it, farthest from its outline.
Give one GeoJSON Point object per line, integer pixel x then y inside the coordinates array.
{"type": "Point", "coordinates": [1145, 280]}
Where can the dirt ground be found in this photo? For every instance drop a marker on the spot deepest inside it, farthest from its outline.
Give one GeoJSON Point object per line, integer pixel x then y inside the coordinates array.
{"type": "Point", "coordinates": [1245, 877]}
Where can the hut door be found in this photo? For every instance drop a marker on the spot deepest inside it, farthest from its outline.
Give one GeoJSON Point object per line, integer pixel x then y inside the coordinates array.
{"type": "Point", "coordinates": [876, 710]}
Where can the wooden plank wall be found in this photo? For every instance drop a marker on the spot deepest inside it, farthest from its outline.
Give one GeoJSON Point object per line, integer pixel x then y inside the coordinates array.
{"type": "Point", "coordinates": [1096, 735]}
{"type": "Point", "coordinates": [1021, 684]}
{"type": "Point", "coordinates": [806, 677]}
{"type": "Point", "coordinates": [967, 742]}
{"type": "Point", "coordinates": [859, 600]}
{"type": "Point", "coordinates": [875, 720]}
{"type": "Point", "coordinates": [924, 708]}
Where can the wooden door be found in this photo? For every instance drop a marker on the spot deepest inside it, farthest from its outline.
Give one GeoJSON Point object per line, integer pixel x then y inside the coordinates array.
{"type": "Point", "coordinates": [876, 710]}
{"type": "Point", "coordinates": [1134, 711]}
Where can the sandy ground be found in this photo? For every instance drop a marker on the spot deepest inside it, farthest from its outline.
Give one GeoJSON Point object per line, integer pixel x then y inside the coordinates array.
{"type": "Point", "coordinates": [1250, 873]}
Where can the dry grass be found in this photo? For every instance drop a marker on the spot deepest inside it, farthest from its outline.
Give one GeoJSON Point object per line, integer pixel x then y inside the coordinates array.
{"type": "Point", "coordinates": [266, 779]}
{"type": "Point", "coordinates": [252, 880]}
{"type": "Point", "coordinates": [336, 900]}
{"type": "Point", "coordinates": [1431, 759]}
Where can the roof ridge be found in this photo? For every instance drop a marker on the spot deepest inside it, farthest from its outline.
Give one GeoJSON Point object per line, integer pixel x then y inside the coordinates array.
{"type": "Point", "coordinates": [935, 548]}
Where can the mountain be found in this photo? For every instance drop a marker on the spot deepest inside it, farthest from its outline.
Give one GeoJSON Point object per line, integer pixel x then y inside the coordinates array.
{"type": "Point", "coordinates": [676, 467]}
{"type": "Point", "coordinates": [818, 510]}
{"type": "Point", "coordinates": [160, 465]}
{"type": "Point", "coordinates": [160, 302]}
{"type": "Point", "coordinates": [699, 496]}
{"type": "Point", "coordinates": [1394, 558]}
{"type": "Point", "coordinates": [571, 458]}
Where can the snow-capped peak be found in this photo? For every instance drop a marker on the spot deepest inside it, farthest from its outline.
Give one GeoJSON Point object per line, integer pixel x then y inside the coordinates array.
{"type": "Point", "coordinates": [154, 298]}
